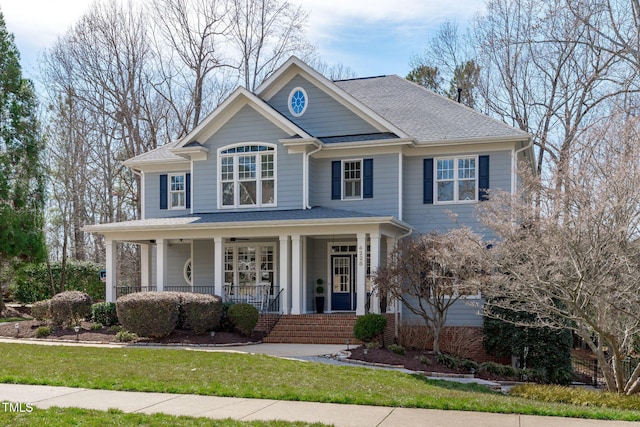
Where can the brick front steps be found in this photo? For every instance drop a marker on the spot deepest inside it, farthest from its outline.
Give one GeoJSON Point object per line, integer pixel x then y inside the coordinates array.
{"type": "Point", "coordinates": [312, 329]}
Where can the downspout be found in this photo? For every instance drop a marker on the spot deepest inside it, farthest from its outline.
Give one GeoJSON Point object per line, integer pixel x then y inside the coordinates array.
{"type": "Point", "coordinates": [515, 159]}
{"type": "Point", "coordinates": [305, 178]}
{"type": "Point", "coordinates": [141, 201]}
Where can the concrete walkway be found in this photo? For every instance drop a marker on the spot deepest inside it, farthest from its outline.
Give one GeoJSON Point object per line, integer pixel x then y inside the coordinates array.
{"type": "Point", "coordinates": [264, 409]}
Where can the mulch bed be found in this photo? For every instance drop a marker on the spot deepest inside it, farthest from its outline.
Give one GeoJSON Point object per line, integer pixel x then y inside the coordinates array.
{"type": "Point", "coordinates": [105, 335]}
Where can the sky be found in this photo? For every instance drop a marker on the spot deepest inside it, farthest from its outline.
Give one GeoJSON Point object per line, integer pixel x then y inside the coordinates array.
{"type": "Point", "coordinates": [371, 37]}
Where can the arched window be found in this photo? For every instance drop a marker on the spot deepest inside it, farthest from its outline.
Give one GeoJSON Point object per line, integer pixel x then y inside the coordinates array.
{"type": "Point", "coordinates": [247, 175]}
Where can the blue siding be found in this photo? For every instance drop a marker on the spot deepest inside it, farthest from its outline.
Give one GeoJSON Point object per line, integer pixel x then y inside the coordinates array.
{"type": "Point", "coordinates": [461, 313]}
{"type": "Point", "coordinates": [385, 186]}
{"type": "Point", "coordinates": [152, 197]}
{"type": "Point", "coordinates": [425, 218]}
{"type": "Point", "coordinates": [250, 127]}
{"type": "Point", "coordinates": [203, 268]}
{"type": "Point", "coordinates": [324, 115]}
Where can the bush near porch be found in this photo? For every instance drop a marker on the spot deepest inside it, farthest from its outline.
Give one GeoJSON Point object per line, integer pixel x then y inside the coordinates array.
{"type": "Point", "coordinates": [157, 314]}
{"type": "Point", "coordinates": [31, 282]}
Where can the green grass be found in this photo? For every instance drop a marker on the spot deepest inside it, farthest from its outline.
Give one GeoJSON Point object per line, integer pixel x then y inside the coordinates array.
{"type": "Point", "coordinates": [259, 376]}
{"type": "Point", "coordinates": [62, 417]}
{"type": "Point", "coordinates": [12, 319]}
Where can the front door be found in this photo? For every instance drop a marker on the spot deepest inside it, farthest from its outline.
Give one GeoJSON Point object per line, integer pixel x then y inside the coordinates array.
{"type": "Point", "coordinates": [343, 295]}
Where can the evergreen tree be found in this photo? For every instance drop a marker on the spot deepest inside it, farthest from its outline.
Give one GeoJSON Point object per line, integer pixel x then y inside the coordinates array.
{"type": "Point", "coordinates": [22, 179]}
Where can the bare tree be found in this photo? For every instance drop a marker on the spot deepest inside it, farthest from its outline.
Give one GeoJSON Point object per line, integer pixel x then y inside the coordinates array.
{"type": "Point", "coordinates": [544, 72]}
{"type": "Point", "coordinates": [574, 262]}
{"type": "Point", "coordinates": [429, 273]}
{"type": "Point", "coordinates": [265, 33]}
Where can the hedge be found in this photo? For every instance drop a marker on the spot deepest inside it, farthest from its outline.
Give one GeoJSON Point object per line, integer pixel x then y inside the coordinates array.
{"type": "Point", "coordinates": [70, 307]}
{"type": "Point", "coordinates": [244, 317]}
{"type": "Point", "coordinates": [104, 313]}
{"type": "Point", "coordinates": [200, 312]}
{"type": "Point", "coordinates": [149, 314]}
{"type": "Point", "coordinates": [32, 280]}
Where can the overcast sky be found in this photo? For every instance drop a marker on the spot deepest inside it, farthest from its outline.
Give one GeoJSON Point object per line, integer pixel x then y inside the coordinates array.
{"type": "Point", "coordinates": [372, 37]}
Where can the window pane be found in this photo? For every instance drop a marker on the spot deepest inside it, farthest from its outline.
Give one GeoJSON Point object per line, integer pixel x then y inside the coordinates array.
{"type": "Point", "coordinates": [268, 192]}
{"type": "Point", "coordinates": [467, 189]}
{"type": "Point", "coordinates": [445, 191]}
{"type": "Point", "coordinates": [267, 166]}
{"type": "Point", "coordinates": [177, 182]}
{"type": "Point", "coordinates": [466, 168]}
{"type": "Point", "coordinates": [227, 169]}
{"type": "Point", "coordinates": [248, 193]}
{"type": "Point", "coordinates": [227, 194]}
{"type": "Point", "coordinates": [246, 167]}
{"type": "Point", "coordinates": [177, 199]}
{"type": "Point", "coordinates": [445, 169]}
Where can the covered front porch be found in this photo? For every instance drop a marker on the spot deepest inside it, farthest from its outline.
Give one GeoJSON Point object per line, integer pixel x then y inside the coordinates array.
{"type": "Point", "coordinates": [276, 260]}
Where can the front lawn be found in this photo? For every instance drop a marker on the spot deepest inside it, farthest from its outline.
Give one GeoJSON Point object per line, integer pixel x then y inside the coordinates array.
{"type": "Point", "coordinates": [259, 376]}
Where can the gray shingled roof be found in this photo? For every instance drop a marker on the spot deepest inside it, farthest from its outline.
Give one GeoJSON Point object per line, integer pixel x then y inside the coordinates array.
{"type": "Point", "coordinates": [160, 154]}
{"type": "Point", "coordinates": [316, 213]}
{"type": "Point", "coordinates": [423, 114]}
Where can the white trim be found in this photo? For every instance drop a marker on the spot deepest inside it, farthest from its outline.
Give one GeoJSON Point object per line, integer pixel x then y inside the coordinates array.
{"type": "Point", "coordinates": [258, 178]}
{"type": "Point", "coordinates": [455, 181]}
{"type": "Point", "coordinates": [400, 185]}
{"type": "Point", "coordinates": [290, 98]}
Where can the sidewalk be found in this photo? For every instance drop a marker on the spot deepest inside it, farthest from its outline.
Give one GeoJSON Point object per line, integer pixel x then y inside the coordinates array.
{"type": "Point", "coordinates": [263, 409]}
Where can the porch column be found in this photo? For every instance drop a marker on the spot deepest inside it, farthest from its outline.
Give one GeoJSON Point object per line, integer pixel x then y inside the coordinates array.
{"type": "Point", "coordinates": [374, 241]}
{"type": "Point", "coordinates": [110, 284]}
{"type": "Point", "coordinates": [284, 274]}
{"type": "Point", "coordinates": [361, 273]}
{"type": "Point", "coordinates": [161, 267]}
{"type": "Point", "coordinates": [145, 265]}
{"type": "Point", "coordinates": [391, 245]}
{"type": "Point", "coordinates": [218, 266]}
{"type": "Point", "coordinates": [296, 275]}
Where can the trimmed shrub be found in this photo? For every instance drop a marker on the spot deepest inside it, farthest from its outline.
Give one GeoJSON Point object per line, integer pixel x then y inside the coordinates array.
{"type": "Point", "coordinates": [244, 317]}
{"type": "Point", "coordinates": [498, 369]}
{"type": "Point", "coordinates": [68, 308]}
{"type": "Point", "coordinates": [126, 336]}
{"type": "Point", "coordinates": [370, 327]}
{"type": "Point", "coordinates": [32, 280]}
{"type": "Point", "coordinates": [149, 314]}
{"type": "Point", "coordinates": [43, 331]}
{"type": "Point", "coordinates": [200, 312]}
{"type": "Point", "coordinates": [226, 324]}
{"type": "Point", "coordinates": [104, 313]}
{"type": "Point", "coordinates": [40, 310]}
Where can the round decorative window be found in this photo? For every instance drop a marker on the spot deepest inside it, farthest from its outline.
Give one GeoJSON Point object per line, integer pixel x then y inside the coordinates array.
{"type": "Point", "coordinates": [298, 102]}
{"type": "Point", "coordinates": [187, 271]}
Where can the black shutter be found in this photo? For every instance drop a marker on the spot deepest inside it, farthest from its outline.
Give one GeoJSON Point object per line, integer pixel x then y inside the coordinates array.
{"type": "Point", "coordinates": [367, 184]}
{"type": "Point", "coordinates": [164, 196]}
{"type": "Point", "coordinates": [336, 180]}
{"type": "Point", "coordinates": [187, 195]}
{"type": "Point", "coordinates": [427, 182]}
{"type": "Point", "coordinates": [483, 177]}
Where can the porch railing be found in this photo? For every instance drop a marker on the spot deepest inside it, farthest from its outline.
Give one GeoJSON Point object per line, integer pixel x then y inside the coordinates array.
{"type": "Point", "coordinates": [262, 295]}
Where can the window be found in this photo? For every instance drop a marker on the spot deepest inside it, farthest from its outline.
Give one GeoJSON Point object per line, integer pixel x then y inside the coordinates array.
{"type": "Point", "coordinates": [247, 176]}
{"type": "Point", "coordinates": [187, 271]}
{"type": "Point", "coordinates": [177, 191]}
{"type": "Point", "coordinates": [298, 102]}
{"type": "Point", "coordinates": [352, 179]}
{"type": "Point", "coordinates": [456, 180]}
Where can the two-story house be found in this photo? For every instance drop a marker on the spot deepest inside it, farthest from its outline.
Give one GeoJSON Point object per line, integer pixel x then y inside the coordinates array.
{"type": "Point", "coordinates": [309, 181]}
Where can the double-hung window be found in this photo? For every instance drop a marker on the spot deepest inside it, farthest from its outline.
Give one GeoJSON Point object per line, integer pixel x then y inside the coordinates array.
{"type": "Point", "coordinates": [456, 180]}
{"type": "Point", "coordinates": [177, 191]}
{"type": "Point", "coordinates": [247, 176]}
{"type": "Point", "coordinates": [352, 179]}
